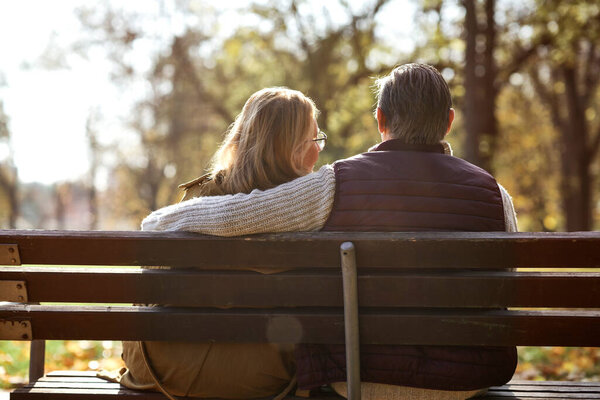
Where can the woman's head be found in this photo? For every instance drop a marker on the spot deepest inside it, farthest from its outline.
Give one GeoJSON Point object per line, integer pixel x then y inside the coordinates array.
{"type": "Point", "coordinates": [268, 142]}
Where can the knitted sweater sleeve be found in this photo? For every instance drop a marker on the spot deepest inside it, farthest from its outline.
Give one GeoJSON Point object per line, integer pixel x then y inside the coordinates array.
{"type": "Point", "coordinates": [303, 204]}
{"type": "Point", "coordinates": [510, 216]}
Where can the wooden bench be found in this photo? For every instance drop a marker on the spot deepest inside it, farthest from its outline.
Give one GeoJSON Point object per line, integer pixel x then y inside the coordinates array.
{"type": "Point", "coordinates": [413, 288]}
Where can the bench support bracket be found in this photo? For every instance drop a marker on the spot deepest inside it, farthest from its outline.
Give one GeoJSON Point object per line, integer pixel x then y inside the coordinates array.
{"type": "Point", "coordinates": [15, 330]}
{"type": "Point", "coordinates": [9, 254]}
{"type": "Point", "coordinates": [15, 291]}
{"type": "Point", "coordinates": [349, 280]}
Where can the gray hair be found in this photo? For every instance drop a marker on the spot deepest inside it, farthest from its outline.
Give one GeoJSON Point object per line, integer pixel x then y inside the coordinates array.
{"type": "Point", "coordinates": [416, 102]}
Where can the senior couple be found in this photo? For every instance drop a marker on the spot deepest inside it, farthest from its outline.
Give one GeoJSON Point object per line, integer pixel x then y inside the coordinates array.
{"type": "Point", "coordinates": [262, 180]}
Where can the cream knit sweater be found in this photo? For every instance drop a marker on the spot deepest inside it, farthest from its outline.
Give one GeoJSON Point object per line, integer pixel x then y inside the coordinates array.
{"type": "Point", "coordinates": [300, 205]}
{"type": "Point", "coordinates": [303, 204]}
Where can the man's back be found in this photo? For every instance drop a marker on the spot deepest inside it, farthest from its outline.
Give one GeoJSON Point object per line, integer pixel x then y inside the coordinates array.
{"type": "Point", "coordinates": [399, 187]}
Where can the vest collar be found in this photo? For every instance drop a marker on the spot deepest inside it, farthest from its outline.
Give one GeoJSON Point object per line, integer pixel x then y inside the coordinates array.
{"type": "Point", "coordinates": [399, 145]}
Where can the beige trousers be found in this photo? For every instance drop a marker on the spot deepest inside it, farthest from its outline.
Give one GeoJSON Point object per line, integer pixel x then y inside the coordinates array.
{"type": "Point", "coordinates": [217, 370]}
{"type": "Point", "coordinates": [380, 391]}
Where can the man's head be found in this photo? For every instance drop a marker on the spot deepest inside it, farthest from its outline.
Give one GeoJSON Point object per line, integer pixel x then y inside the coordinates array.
{"type": "Point", "coordinates": [414, 105]}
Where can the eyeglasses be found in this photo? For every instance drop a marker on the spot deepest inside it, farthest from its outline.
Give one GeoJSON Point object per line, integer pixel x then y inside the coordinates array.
{"type": "Point", "coordinates": [321, 140]}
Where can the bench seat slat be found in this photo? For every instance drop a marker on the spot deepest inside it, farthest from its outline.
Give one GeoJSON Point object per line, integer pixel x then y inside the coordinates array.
{"type": "Point", "coordinates": [323, 288]}
{"type": "Point", "coordinates": [407, 326]}
{"type": "Point", "coordinates": [89, 384]}
{"type": "Point", "coordinates": [393, 249]}
{"type": "Point", "coordinates": [53, 386]}
{"type": "Point", "coordinates": [76, 392]}
{"type": "Point", "coordinates": [584, 384]}
{"type": "Point", "coordinates": [69, 373]}
{"type": "Point", "coordinates": [553, 388]}
{"type": "Point", "coordinates": [56, 388]}
{"type": "Point", "coordinates": [501, 395]}
{"type": "Point", "coordinates": [74, 378]}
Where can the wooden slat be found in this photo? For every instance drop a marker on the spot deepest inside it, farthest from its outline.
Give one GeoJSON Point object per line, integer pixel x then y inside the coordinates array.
{"type": "Point", "coordinates": [81, 394]}
{"type": "Point", "coordinates": [319, 288]}
{"type": "Point", "coordinates": [68, 373]}
{"type": "Point", "coordinates": [52, 387]}
{"type": "Point", "coordinates": [112, 394]}
{"type": "Point", "coordinates": [56, 387]}
{"type": "Point", "coordinates": [61, 394]}
{"type": "Point", "coordinates": [493, 395]}
{"type": "Point", "coordinates": [92, 384]}
{"type": "Point", "coordinates": [73, 378]}
{"type": "Point", "coordinates": [59, 387]}
{"type": "Point", "coordinates": [532, 387]}
{"type": "Point", "coordinates": [583, 384]}
{"type": "Point", "coordinates": [431, 249]}
{"type": "Point", "coordinates": [401, 326]}
{"type": "Point", "coordinates": [545, 390]}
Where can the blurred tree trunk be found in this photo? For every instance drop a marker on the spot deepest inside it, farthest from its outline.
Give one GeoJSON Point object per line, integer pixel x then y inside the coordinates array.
{"type": "Point", "coordinates": [9, 182]}
{"type": "Point", "coordinates": [9, 177]}
{"type": "Point", "coordinates": [94, 149]}
{"type": "Point", "coordinates": [480, 82]}
{"type": "Point", "coordinates": [575, 157]}
{"type": "Point", "coordinates": [568, 100]}
{"type": "Point", "coordinates": [485, 74]}
{"type": "Point", "coordinates": [566, 77]}
{"type": "Point", "coordinates": [61, 194]}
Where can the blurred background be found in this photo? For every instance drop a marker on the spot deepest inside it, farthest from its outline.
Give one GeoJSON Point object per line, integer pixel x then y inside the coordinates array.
{"type": "Point", "coordinates": [106, 106]}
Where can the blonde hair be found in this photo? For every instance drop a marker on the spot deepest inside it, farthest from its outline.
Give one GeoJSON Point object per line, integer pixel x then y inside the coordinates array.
{"type": "Point", "coordinates": [265, 145]}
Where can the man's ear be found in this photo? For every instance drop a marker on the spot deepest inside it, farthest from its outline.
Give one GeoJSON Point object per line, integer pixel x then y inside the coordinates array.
{"type": "Point", "coordinates": [450, 119]}
{"type": "Point", "coordinates": [380, 120]}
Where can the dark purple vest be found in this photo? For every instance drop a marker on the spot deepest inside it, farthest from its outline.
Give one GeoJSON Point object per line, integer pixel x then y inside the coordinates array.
{"type": "Point", "coordinates": [400, 187]}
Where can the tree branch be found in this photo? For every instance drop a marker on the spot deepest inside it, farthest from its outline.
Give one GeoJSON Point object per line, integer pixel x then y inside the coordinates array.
{"type": "Point", "coordinates": [521, 57]}
{"type": "Point", "coordinates": [301, 29]}
{"type": "Point", "coordinates": [181, 55]}
{"type": "Point", "coordinates": [362, 71]}
{"type": "Point", "coordinates": [547, 97]}
{"type": "Point", "coordinates": [377, 7]}
{"type": "Point", "coordinates": [591, 73]}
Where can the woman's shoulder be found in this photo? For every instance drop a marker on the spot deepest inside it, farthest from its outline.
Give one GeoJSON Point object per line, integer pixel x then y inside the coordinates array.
{"type": "Point", "coordinates": [205, 185]}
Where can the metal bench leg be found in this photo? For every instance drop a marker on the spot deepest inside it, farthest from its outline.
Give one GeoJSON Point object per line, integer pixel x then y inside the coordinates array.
{"type": "Point", "coordinates": [351, 320]}
{"type": "Point", "coordinates": [37, 352]}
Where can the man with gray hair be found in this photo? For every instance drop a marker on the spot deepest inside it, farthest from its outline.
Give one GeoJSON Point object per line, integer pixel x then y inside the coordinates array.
{"type": "Point", "coordinates": [414, 105]}
{"type": "Point", "coordinates": [409, 182]}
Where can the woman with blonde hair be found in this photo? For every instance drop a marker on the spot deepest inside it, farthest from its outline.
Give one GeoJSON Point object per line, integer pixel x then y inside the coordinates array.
{"type": "Point", "coordinates": [270, 143]}
{"type": "Point", "coordinates": [274, 140]}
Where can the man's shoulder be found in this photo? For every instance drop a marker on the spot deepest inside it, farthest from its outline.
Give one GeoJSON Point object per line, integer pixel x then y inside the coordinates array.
{"type": "Point", "coordinates": [467, 165]}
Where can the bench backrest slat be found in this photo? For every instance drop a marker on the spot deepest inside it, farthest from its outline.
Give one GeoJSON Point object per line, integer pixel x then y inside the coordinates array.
{"type": "Point", "coordinates": [317, 288]}
{"type": "Point", "coordinates": [408, 326]}
{"type": "Point", "coordinates": [308, 250]}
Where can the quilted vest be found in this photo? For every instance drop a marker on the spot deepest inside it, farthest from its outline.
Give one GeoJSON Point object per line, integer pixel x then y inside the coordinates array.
{"type": "Point", "coordinates": [400, 187]}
